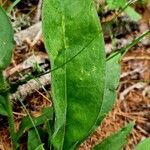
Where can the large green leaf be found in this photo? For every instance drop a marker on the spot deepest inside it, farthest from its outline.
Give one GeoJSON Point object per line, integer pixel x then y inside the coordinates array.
{"type": "Point", "coordinates": [6, 40]}
{"type": "Point", "coordinates": [75, 45]}
{"type": "Point", "coordinates": [144, 145]}
{"type": "Point", "coordinates": [115, 141]}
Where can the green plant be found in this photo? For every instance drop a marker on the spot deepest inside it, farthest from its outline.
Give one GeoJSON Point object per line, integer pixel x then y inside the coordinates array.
{"type": "Point", "coordinates": [6, 47]}
{"type": "Point", "coordinates": [84, 81]}
{"type": "Point", "coordinates": [79, 42]}
{"type": "Point", "coordinates": [124, 5]}
{"type": "Point", "coordinates": [75, 46]}
{"type": "Point", "coordinates": [111, 144]}
{"type": "Point", "coordinates": [74, 42]}
{"type": "Point", "coordinates": [144, 145]}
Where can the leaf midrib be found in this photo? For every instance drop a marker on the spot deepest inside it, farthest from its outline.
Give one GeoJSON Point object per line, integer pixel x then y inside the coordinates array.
{"type": "Point", "coordinates": [65, 67]}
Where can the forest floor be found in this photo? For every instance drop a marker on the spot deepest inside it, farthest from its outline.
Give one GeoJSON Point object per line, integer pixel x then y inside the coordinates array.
{"type": "Point", "coordinates": [133, 98]}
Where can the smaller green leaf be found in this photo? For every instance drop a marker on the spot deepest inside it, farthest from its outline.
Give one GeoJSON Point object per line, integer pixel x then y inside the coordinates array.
{"type": "Point", "coordinates": [115, 141]}
{"type": "Point", "coordinates": [33, 141]}
{"type": "Point", "coordinates": [116, 4]}
{"type": "Point", "coordinates": [133, 15]}
{"type": "Point", "coordinates": [3, 106]}
{"type": "Point", "coordinates": [144, 145]}
{"type": "Point", "coordinates": [6, 40]}
{"type": "Point", "coordinates": [26, 123]}
{"type": "Point", "coordinates": [112, 81]}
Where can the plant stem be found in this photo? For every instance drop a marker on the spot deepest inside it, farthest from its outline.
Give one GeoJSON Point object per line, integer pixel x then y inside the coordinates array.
{"type": "Point", "coordinates": [4, 92]}
{"type": "Point", "coordinates": [11, 121]}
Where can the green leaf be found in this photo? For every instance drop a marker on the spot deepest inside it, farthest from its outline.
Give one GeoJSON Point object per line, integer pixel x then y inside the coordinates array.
{"type": "Point", "coordinates": [75, 44]}
{"type": "Point", "coordinates": [33, 141]}
{"type": "Point", "coordinates": [49, 128]}
{"type": "Point", "coordinates": [3, 106]}
{"type": "Point", "coordinates": [113, 77]}
{"type": "Point", "coordinates": [133, 15]}
{"type": "Point", "coordinates": [40, 147]}
{"type": "Point", "coordinates": [144, 145]}
{"type": "Point", "coordinates": [116, 4]}
{"type": "Point", "coordinates": [113, 71]}
{"type": "Point", "coordinates": [26, 123]}
{"type": "Point", "coordinates": [115, 141]}
{"type": "Point", "coordinates": [6, 40]}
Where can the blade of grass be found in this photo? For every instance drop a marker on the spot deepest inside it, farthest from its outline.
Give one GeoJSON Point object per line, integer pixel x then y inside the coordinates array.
{"type": "Point", "coordinates": [32, 121]}
{"type": "Point", "coordinates": [10, 8]}
{"type": "Point", "coordinates": [134, 42]}
{"type": "Point", "coordinates": [3, 3]}
{"type": "Point", "coordinates": [125, 49]}
{"type": "Point", "coordinates": [26, 124]}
